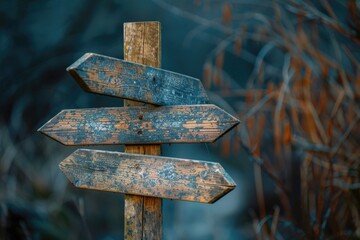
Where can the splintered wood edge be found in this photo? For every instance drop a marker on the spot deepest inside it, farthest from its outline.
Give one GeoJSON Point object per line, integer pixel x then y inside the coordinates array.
{"type": "Point", "coordinates": [72, 70]}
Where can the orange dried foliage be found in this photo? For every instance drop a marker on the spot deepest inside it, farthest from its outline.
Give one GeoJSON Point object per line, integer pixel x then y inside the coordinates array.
{"type": "Point", "coordinates": [207, 75]}
{"type": "Point", "coordinates": [296, 64]}
{"type": "Point", "coordinates": [256, 150]}
{"type": "Point", "coordinates": [282, 113]}
{"type": "Point", "coordinates": [303, 41]}
{"type": "Point", "coordinates": [236, 143]}
{"type": "Point", "coordinates": [256, 133]}
{"type": "Point", "coordinates": [339, 100]}
{"type": "Point", "coordinates": [277, 138]}
{"type": "Point", "coordinates": [227, 13]}
{"type": "Point", "coordinates": [322, 58]}
{"type": "Point", "coordinates": [287, 133]}
{"type": "Point", "coordinates": [357, 85]}
{"type": "Point", "coordinates": [318, 110]}
{"type": "Point", "coordinates": [313, 96]}
{"type": "Point", "coordinates": [325, 71]}
{"type": "Point", "coordinates": [251, 123]}
{"type": "Point", "coordinates": [353, 9]}
{"type": "Point", "coordinates": [270, 87]}
{"type": "Point", "coordinates": [307, 83]}
{"type": "Point", "coordinates": [350, 113]}
{"type": "Point", "coordinates": [329, 130]}
{"type": "Point", "coordinates": [300, 25]}
{"type": "Point", "coordinates": [323, 101]}
{"type": "Point", "coordinates": [297, 90]}
{"type": "Point", "coordinates": [345, 83]}
{"type": "Point", "coordinates": [249, 97]}
{"type": "Point", "coordinates": [237, 46]}
{"type": "Point", "coordinates": [220, 59]}
{"type": "Point", "coordinates": [257, 96]}
{"type": "Point", "coordinates": [310, 126]}
{"type": "Point", "coordinates": [225, 146]}
{"type": "Point", "coordinates": [315, 35]}
{"type": "Point", "coordinates": [295, 117]}
{"type": "Point", "coordinates": [217, 79]}
{"type": "Point", "coordinates": [261, 122]}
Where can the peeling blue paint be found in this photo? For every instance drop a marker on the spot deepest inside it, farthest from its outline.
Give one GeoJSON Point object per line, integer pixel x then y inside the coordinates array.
{"type": "Point", "coordinates": [115, 77]}
{"type": "Point", "coordinates": [158, 177]}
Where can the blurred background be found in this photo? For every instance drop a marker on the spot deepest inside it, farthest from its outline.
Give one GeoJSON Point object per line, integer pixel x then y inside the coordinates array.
{"type": "Point", "coordinates": [289, 70]}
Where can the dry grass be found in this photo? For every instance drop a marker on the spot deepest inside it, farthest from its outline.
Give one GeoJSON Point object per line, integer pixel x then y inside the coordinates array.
{"type": "Point", "coordinates": [299, 107]}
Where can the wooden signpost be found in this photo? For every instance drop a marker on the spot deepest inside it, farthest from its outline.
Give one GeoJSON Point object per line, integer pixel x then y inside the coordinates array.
{"type": "Point", "coordinates": [185, 116]}
{"type": "Point", "coordinates": [143, 214]}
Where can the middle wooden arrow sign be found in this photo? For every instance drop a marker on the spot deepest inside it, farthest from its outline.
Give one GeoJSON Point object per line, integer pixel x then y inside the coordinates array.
{"type": "Point", "coordinates": [139, 125]}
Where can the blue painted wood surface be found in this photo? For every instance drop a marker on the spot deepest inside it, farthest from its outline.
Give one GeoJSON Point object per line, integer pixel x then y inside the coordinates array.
{"type": "Point", "coordinates": [147, 175]}
{"type": "Point", "coordinates": [114, 77]}
{"type": "Point", "coordinates": [139, 125]}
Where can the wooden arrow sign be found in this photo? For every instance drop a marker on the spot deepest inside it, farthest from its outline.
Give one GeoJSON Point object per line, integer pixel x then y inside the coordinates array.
{"type": "Point", "coordinates": [139, 125]}
{"type": "Point", "coordinates": [110, 76]}
{"type": "Point", "coordinates": [147, 175]}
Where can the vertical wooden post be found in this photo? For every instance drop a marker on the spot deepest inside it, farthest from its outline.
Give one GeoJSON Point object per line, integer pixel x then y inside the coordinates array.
{"type": "Point", "coordinates": [143, 215]}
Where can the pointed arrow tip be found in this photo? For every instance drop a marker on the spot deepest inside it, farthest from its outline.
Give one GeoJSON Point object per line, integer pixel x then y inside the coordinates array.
{"type": "Point", "coordinates": [46, 133]}
{"type": "Point", "coordinates": [230, 120]}
{"type": "Point", "coordinates": [62, 165]}
{"type": "Point", "coordinates": [39, 130]}
{"type": "Point", "coordinates": [78, 62]}
{"type": "Point", "coordinates": [234, 122]}
{"type": "Point", "coordinates": [225, 183]}
{"type": "Point", "coordinates": [230, 182]}
{"type": "Point", "coordinates": [42, 130]}
{"type": "Point", "coordinates": [226, 190]}
{"type": "Point", "coordinates": [73, 70]}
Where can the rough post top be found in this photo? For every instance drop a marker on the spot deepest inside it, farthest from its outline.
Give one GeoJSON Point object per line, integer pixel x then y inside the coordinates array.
{"type": "Point", "coordinates": [143, 22]}
{"type": "Point", "coordinates": [142, 43]}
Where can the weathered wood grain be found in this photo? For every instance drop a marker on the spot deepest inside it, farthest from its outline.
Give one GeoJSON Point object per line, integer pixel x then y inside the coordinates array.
{"type": "Point", "coordinates": [139, 125]}
{"type": "Point", "coordinates": [147, 175]}
{"type": "Point", "coordinates": [110, 76]}
{"type": "Point", "coordinates": [142, 44]}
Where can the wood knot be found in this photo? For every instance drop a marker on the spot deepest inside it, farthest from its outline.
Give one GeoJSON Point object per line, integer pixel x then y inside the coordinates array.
{"type": "Point", "coordinates": [139, 132]}
{"type": "Point", "coordinates": [141, 117]}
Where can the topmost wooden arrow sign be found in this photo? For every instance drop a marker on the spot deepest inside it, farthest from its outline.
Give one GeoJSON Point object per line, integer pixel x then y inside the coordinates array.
{"type": "Point", "coordinates": [110, 76]}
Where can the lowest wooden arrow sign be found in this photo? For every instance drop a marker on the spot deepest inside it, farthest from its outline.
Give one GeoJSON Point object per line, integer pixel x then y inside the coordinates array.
{"type": "Point", "coordinates": [147, 175]}
{"type": "Point", "coordinates": [139, 125]}
{"type": "Point", "coordinates": [110, 76]}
